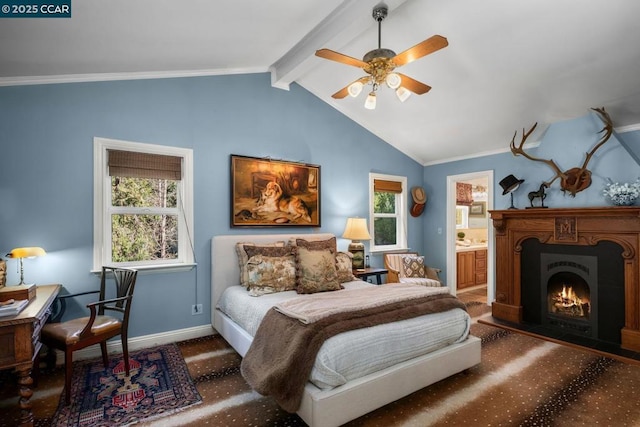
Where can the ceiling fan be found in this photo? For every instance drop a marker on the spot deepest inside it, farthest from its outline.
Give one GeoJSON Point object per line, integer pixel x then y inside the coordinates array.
{"type": "Point", "coordinates": [380, 64]}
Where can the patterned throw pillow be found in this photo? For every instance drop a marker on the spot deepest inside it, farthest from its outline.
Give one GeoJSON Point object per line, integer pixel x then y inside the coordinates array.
{"type": "Point", "coordinates": [269, 274]}
{"type": "Point", "coordinates": [243, 258]}
{"type": "Point", "coordinates": [413, 266]}
{"type": "Point", "coordinates": [344, 266]}
{"type": "Point", "coordinates": [316, 266]}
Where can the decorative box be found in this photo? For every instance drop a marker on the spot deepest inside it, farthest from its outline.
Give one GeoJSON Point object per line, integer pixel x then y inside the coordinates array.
{"type": "Point", "coordinates": [18, 292]}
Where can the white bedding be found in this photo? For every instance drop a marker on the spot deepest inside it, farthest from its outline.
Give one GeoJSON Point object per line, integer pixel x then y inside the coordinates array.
{"type": "Point", "coordinates": [356, 353]}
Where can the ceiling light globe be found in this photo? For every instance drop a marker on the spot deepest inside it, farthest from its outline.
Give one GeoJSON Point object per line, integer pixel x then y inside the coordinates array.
{"type": "Point", "coordinates": [370, 103]}
{"type": "Point", "coordinates": [355, 88]}
{"type": "Point", "coordinates": [402, 94]}
{"type": "Point", "coordinates": [393, 80]}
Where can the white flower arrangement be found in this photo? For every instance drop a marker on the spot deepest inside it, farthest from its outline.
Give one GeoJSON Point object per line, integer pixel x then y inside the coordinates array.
{"type": "Point", "coordinates": [622, 194]}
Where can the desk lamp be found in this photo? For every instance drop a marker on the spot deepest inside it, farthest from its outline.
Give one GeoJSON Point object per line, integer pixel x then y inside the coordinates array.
{"type": "Point", "coordinates": [21, 253]}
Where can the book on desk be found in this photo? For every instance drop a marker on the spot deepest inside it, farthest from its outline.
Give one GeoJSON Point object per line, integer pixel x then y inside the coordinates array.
{"type": "Point", "coordinates": [12, 307]}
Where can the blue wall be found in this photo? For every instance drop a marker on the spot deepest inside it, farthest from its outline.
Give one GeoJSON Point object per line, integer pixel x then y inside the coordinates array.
{"type": "Point", "coordinates": [565, 142]}
{"type": "Point", "coordinates": [46, 171]}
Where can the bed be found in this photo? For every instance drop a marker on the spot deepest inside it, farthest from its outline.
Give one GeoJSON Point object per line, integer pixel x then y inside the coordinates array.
{"type": "Point", "coordinates": [326, 405]}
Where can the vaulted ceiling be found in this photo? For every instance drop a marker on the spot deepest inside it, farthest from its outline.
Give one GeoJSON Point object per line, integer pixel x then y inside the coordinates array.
{"type": "Point", "coordinates": [508, 63]}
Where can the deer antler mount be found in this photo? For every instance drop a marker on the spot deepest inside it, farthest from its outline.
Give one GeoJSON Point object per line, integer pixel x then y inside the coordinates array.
{"type": "Point", "coordinates": [575, 179]}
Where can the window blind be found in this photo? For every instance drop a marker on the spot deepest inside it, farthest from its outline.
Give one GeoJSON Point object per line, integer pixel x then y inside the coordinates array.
{"type": "Point", "coordinates": [387, 186]}
{"type": "Point", "coordinates": [133, 164]}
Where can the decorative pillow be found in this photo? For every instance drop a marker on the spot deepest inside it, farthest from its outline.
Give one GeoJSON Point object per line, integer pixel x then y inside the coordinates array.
{"type": "Point", "coordinates": [269, 274]}
{"type": "Point", "coordinates": [317, 244]}
{"type": "Point", "coordinates": [413, 266]}
{"type": "Point", "coordinates": [432, 273]}
{"type": "Point", "coordinates": [243, 258]}
{"type": "Point", "coordinates": [316, 266]}
{"type": "Point", "coordinates": [344, 267]}
{"type": "Point", "coordinates": [270, 251]}
{"type": "Point", "coordinates": [293, 241]}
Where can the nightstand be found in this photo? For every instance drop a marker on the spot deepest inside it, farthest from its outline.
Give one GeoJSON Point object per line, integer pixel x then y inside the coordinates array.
{"type": "Point", "coordinates": [369, 272]}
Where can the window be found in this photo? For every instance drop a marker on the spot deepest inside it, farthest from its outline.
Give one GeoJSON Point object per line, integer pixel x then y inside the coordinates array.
{"type": "Point", "coordinates": [462, 216]}
{"type": "Point", "coordinates": [143, 204]}
{"type": "Point", "coordinates": [388, 207]}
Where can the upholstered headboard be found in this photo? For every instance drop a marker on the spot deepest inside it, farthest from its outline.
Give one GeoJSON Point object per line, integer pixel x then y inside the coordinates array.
{"type": "Point", "coordinates": [224, 261]}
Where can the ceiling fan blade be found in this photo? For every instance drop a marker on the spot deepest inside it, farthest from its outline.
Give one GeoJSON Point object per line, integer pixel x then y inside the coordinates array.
{"type": "Point", "coordinates": [338, 57]}
{"type": "Point", "coordinates": [345, 90]}
{"type": "Point", "coordinates": [414, 85]}
{"type": "Point", "coordinates": [424, 48]}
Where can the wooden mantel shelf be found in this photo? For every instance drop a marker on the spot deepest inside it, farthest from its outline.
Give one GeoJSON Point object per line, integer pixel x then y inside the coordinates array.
{"type": "Point", "coordinates": [567, 226]}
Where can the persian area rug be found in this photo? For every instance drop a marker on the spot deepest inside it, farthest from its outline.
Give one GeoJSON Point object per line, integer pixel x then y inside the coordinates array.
{"type": "Point", "coordinates": [159, 384]}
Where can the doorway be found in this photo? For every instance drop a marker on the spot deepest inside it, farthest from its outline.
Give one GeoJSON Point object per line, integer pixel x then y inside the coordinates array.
{"type": "Point", "coordinates": [473, 238]}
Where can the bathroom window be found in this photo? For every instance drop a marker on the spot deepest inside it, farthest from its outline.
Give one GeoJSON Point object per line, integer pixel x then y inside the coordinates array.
{"type": "Point", "coordinates": [462, 216]}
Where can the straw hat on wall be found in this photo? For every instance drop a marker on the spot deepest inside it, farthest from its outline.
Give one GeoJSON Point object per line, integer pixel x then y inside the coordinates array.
{"type": "Point", "coordinates": [419, 200]}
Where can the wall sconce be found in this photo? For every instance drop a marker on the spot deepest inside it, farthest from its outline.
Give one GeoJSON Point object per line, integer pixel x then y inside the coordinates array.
{"type": "Point", "coordinates": [21, 253]}
{"type": "Point", "coordinates": [357, 230]}
{"type": "Point", "coordinates": [510, 184]}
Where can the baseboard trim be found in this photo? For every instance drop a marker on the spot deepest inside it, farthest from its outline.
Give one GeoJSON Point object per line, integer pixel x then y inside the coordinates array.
{"type": "Point", "coordinates": [137, 343]}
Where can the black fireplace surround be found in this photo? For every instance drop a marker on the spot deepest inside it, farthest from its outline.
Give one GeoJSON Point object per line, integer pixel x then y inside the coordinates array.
{"type": "Point", "coordinates": [600, 267]}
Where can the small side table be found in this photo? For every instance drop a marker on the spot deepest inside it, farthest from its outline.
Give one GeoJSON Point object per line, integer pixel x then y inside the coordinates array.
{"type": "Point", "coordinates": [368, 272]}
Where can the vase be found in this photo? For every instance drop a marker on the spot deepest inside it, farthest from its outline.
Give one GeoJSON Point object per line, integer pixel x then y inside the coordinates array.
{"type": "Point", "coordinates": [623, 199]}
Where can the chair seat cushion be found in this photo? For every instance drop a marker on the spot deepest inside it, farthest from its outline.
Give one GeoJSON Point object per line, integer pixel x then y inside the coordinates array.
{"type": "Point", "coordinates": [424, 281]}
{"type": "Point", "coordinates": [69, 332]}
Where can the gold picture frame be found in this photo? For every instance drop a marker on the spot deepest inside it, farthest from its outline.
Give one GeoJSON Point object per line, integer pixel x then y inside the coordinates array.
{"type": "Point", "coordinates": [274, 193]}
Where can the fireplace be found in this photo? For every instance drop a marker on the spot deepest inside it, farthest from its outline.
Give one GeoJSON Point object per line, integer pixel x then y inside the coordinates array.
{"type": "Point", "coordinates": [570, 275]}
{"type": "Point", "coordinates": [569, 291]}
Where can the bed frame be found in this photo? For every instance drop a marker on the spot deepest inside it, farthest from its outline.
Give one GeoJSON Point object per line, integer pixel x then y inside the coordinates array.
{"type": "Point", "coordinates": [329, 408]}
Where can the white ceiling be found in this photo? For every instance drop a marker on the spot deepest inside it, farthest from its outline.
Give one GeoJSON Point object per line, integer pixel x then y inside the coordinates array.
{"type": "Point", "coordinates": [508, 64]}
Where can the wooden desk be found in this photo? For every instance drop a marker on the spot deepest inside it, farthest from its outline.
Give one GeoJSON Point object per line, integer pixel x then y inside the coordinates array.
{"type": "Point", "coordinates": [20, 342]}
{"type": "Point", "coordinates": [368, 272]}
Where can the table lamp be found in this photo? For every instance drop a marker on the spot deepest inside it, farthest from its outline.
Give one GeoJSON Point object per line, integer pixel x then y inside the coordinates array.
{"type": "Point", "coordinates": [21, 253]}
{"type": "Point", "coordinates": [357, 230]}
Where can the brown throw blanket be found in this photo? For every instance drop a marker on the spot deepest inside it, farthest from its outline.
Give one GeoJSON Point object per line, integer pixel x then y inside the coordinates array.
{"type": "Point", "coordinates": [283, 352]}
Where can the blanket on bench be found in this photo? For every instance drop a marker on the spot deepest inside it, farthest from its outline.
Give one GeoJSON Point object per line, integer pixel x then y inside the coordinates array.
{"type": "Point", "coordinates": [281, 356]}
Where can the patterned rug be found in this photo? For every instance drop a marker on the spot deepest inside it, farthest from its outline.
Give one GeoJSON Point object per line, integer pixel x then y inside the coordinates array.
{"type": "Point", "coordinates": [159, 384]}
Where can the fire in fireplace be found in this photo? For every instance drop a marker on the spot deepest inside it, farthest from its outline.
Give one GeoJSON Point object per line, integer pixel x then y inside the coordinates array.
{"type": "Point", "coordinates": [567, 302]}
{"type": "Point", "coordinates": [569, 288]}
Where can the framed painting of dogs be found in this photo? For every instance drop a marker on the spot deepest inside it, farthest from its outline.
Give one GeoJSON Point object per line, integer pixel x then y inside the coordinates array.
{"type": "Point", "coordinates": [267, 193]}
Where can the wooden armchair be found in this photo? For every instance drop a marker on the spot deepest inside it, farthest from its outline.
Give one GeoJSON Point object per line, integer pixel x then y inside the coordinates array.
{"type": "Point", "coordinates": [75, 334]}
{"type": "Point", "coordinates": [393, 263]}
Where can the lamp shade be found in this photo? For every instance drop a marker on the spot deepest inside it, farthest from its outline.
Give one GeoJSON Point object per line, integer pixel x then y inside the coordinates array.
{"type": "Point", "coordinates": [355, 88]}
{"type": "Point", "coordinates": [28, 252]}
{"type": "Point", "coordinates": [356, 229]}
{"type": "Point", "coordinates": [393, 80]}
{"type": "Point", "coordinates": [402, 94]}
{"type": "Point", "coordinates": [370, 102]}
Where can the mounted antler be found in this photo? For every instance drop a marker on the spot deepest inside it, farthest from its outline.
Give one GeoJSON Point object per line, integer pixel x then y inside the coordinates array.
{"type": "Point", "coordinates": [575, 179]}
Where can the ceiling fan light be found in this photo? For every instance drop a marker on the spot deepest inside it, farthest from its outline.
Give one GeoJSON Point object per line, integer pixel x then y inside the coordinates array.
{"type": "Point", "coordinates": [402, 94]}
{"type": "Point", "coordinates": [355, 88]}
{"type": "Point", "coordinates": [370, 103]}
{"type": "Point", "coordinates": [393, 80]}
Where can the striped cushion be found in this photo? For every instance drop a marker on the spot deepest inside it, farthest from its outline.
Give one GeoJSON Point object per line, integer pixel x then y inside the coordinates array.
{"type": "Point", "coordinates": [420, 281]}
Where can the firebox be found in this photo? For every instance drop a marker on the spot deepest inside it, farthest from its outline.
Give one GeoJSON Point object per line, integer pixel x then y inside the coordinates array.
{"type": "Point", "coordinates": [569, 293]}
